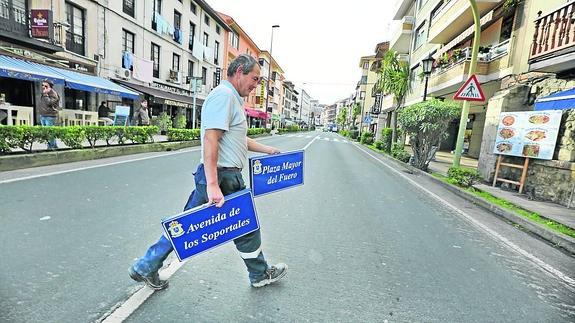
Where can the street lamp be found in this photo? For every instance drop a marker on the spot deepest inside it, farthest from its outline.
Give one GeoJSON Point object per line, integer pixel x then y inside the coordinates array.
{"type": "Point", "coordinates": [270, 69]}
{"type": "Point", "coordinates": [427, 65]}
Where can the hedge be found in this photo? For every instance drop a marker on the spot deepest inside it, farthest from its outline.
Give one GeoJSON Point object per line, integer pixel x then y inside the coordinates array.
{"type": "Point", "coordinates": [23, 137]}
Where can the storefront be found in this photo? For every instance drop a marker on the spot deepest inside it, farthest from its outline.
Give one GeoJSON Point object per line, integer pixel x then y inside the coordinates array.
{"type": "Point", "coordinates": [171, 100]}
{"type": "Point", "coordinates": [256, 118]}
{"type": "Point", "coordinates": [21, 81]}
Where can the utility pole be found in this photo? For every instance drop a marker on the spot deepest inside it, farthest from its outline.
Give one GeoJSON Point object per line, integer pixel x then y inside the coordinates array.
{"type": "Point", "coordinates": [472, 68]}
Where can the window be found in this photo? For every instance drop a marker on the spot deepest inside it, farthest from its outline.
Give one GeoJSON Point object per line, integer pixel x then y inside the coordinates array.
{"type": "Point", "coordinates": [413, 77]}
{"type": "Point", "coordinates": [158, 6]}
{"type": "Point", "coordinates": [216, 53]}
{"type": "Point", "coordinates": [75, 33]}
{"type": "Point", "coordinates": [215, 80]}
{"type": "Point", "coordinates": [218, 30]}
{"type": "Point", "coordinates": [435, 12]}
{"type": "Point", "coordinates": [190, 68]}
{"type": "Point", "coordinates": [206, 39]}
{"type": "Point", "coordinates": [192, 35]}
{"type": "Point", "coordinates": [127, 41]}
{"type": "Point", "coordinates": [506, 28]}
{"type": "Point", "coordinates": [420, 36]}
{"type": "Point", "coordinates": [234, 40]}
{"type": "Point", "coordinates": [365, 65]}
{"type": "Point", "coordinates": [176, 62]}
{"type": "Point", "coordinates": [128, 7]}
{"type": "Point", "coordinates": [207, 19]}
{"type": "Point", "coordinates": [155, 57]}
{"type": "Point", "coordinates": [177, 20]}
{"type": "Point", "coordinates": [193, 7]}
{"type": "Point", "coordinates": [204, 76]}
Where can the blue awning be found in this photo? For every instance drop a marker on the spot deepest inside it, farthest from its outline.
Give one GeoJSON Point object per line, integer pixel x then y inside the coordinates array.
{"type": "Point", "coordinates": [84, 82]}
{"type": "Point", "coordinates": [24, 70]}
{"type": "Point", "coordinates": [31, 71]}
{"type": "Point", "coordinates": [557, 101]}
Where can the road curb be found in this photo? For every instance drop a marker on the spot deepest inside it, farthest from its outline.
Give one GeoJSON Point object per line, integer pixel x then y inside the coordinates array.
{"type": "Point", "coordinates": [19, 161]}
{"type": "Point", "coordinates": [559, 240]}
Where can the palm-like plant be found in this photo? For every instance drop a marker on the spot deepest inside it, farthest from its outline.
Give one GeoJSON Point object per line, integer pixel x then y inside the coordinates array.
{"type": "Point", "coordinates": [394, 79]}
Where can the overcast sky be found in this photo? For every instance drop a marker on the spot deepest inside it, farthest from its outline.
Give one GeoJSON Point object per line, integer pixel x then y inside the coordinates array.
{"type": "Point", "coordinates": [319, 42]}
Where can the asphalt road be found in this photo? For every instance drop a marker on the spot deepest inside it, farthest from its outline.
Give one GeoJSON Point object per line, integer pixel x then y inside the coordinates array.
{"type": "Point", "coordinates": [365, 241]}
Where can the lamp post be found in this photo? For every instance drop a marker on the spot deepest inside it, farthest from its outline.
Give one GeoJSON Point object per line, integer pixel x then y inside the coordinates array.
{"type": "Point", "coordinates": [270, 68]}
{"type": "Point", "coordinates": [361, 116]}
{"type": "Point", "coordinates": [427, 65]}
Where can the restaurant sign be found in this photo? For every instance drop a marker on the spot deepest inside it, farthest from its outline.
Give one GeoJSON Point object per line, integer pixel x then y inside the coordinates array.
{"type": "Point", "coordinates": [528, 133]}
{"type": "Point", "coordinates": [41, 23]}
{"type": "Point", "coordinates": [174, 103]}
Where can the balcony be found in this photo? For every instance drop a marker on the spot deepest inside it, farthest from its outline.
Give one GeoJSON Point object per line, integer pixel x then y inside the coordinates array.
{"type": "Point", "coordinates": [454, 17]}
{"type": "Point", "coordinates": [402, 36]}
{"type": "Point", "coordinates": [553, 46]}
{"type": "Point", "coordinates": [452, 68]}
{"type": "Point", "coordinates": [13, 20]}
{"type": "Point", "coordinates": [75, 43]}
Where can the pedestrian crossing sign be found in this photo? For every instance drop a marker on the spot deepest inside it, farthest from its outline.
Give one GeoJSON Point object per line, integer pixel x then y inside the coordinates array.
{"type": "Point", "coordinates": [470, 91]}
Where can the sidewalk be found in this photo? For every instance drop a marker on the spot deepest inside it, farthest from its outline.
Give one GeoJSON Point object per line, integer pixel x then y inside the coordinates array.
{"type": "Point", "coordinates": [556, 212]}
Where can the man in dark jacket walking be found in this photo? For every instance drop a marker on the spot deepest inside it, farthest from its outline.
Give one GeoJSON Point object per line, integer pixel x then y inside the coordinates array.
{"type": "Point", "coordinates": [48, 108]}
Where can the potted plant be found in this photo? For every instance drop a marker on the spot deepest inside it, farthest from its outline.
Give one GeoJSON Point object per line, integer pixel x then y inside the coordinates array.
{"type": "Point", "coordinates": [164, 122]}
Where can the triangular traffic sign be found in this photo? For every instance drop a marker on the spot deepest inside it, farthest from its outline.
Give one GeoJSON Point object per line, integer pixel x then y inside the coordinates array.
{"type": "Point", "coordinates": [470, 91]}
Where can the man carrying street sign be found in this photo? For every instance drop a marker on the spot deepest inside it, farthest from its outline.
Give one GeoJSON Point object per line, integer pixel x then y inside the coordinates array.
{"type": "Point", "coordinates": [225, 147]}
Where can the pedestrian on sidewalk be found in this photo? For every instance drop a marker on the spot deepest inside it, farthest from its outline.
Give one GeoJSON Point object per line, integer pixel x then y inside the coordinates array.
{"type": "Point", "coordinates": [142, 116]}
{"type": "Point", "coordinates": [48, 107]}
{"type": "Point", "coordinates": [224, 152]}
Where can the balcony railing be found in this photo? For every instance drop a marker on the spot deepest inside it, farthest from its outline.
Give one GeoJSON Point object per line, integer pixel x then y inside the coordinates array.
{"type": "Point", "coordinates": [554, 31]}
{"type": "Point", "coordinates": [75, 43]}
{"type": "Point", "coordinates": [455, 57]}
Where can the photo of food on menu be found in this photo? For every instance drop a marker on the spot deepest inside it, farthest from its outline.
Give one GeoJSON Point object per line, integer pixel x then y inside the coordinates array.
{"type": "Point", "coordinates": [530, 134]}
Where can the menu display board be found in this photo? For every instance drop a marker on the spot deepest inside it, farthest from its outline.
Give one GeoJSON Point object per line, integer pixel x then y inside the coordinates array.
{"type": "Point", "coordinates": [530, 134]}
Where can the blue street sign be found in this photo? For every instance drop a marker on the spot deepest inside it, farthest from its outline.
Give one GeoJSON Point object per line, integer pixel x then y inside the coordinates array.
{"type": "Point", "coordinates": [367, 119]}
{"type": "Point", "coordinates": [272, 173]}
{"type": "Point", "coordinates": [206, 227]}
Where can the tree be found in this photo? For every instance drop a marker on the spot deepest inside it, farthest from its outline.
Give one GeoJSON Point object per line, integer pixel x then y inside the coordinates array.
{"type": "Point", "coordinates": [425, 122]}
{"type": "Point", "coordinates": [341, 118]}
{"type": "Point", "coordinates": [394, 79]}
{"type": "Point", "coordinates": [356, 110]}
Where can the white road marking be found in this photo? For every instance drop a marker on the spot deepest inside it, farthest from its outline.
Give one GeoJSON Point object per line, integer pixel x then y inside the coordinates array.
{"type": "Point", "coordinates": [309, 143]}
{"type": "Point", "coordinates": [93, 166]}
{"type": "Point", "coordinates": [129, 306]}
{"type": "Point", "coordinates": [543, 265]}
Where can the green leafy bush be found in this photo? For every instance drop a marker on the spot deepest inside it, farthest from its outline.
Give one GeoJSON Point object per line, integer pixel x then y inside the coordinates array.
{"type": "Point", "coordinates": [180, 121]}
{"type": "Point", "coordinates": [163, 121]}
{"type": "Point", "coordinates": [464, 177]}
{"type": "Point", "coordinates": [257, 131]}
{"type": "Point", "coordinates": [93, 134]}
{"type": "Point", "coordinates": [28, 135]}
{"type": "Point", "coordinates": [367, 138]}
{"type": "Point", "coordinates": [72, 137]}
{"type": "Point", "coordinates": [379, 145]}
{"type": "Point", "coordinates": [386, 135]}
{"type": "Point", "coordinates": [183, 134]}
{"type": "Point", "coordinates": [398, 152]}
{"type": "Point", "coordinates": [141, 135]}
{"type": "Point", "coordinates": [9, 138]}
{"type": "Point", "coordinates": [344, 133]}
